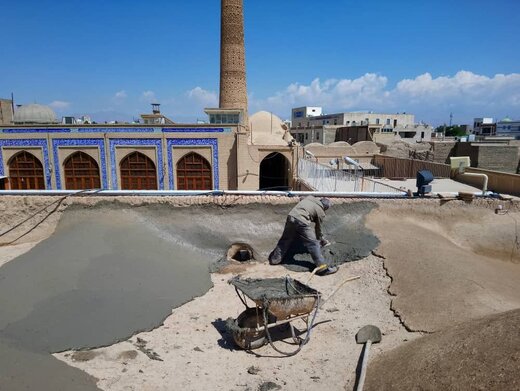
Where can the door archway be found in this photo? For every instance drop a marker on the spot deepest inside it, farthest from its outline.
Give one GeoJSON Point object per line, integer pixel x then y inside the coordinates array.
{"type": "Point", "coordinates": [26, 172]}
{"type": "Point", "coordinates": [81, 172]}
{"type": "Point", "coordinates": [138, 172]}
{"type": "Point", "coordinates": [274, 172]}
{"type": "Point", "coordinates": [194, 173]}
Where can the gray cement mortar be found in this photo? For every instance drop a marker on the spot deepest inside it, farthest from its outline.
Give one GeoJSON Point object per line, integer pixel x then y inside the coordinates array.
{"type": "Point", "coordinates": [110, 271]}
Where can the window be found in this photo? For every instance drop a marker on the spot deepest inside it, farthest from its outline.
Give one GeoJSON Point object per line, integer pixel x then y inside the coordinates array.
{"type": "Point", "coordinates": [193, 173]}
{"type": "Point", "coordinates": [138, 172]}
{"type": "Point", "coordinates": [388, 121]}
{"type": "Point", "coordinates": [317, 135]}
{"type": "Point", "coordinates": [81, 172]}
{"type": "Point", "coordinates": [377, 121]}
{"type": "Point", "coordinates": [306, 136]}
{"type": "Point", "coordinates": [26, 172]}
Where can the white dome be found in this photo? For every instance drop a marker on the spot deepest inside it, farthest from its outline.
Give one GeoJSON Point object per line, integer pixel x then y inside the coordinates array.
{"type": "Point", "coordinates": [34, 114]}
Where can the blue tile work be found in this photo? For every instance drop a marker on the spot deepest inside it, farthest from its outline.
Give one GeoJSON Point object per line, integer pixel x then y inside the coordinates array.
{"type": "Point", "coordinates": [145, 142]}
{"type": "Point", "coordinates": [197, 130]}
{"type": "Point", "coordinates": [80, 142]}
{"type": "Point", "coordinates": [116, 130]}
{"type": "Point", "coordinates": [28, 143]}
{"type": "Point", "coordinates": [193, 142]}
{"type": "Point", "coordinates": [22, 130]}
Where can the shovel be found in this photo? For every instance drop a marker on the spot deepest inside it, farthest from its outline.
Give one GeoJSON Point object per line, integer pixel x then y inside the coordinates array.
{"type": "Point", "coordinates": [367, 335]}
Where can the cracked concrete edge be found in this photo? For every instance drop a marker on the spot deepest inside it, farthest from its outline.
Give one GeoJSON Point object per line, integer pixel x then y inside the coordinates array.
{"type": "Point", "coordinates": [395, 311]}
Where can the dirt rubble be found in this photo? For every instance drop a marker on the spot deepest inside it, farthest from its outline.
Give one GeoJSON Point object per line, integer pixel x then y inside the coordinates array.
{"type": "Point", "coordinates": [192, 349]}
{"type": "Point", "coordinates": [476, 355]}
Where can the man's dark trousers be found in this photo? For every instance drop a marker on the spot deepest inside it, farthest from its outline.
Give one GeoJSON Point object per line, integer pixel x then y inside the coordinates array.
{"type": "Point", "coordinates": [297, 232]}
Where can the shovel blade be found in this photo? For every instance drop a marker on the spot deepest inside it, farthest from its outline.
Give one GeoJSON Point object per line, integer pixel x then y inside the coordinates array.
{"type": "Point", "coordinates": [368, 333]}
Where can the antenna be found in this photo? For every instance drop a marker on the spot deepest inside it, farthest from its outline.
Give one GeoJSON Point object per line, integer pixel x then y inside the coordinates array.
{"type": "Point", "coordinates": [451, 119]}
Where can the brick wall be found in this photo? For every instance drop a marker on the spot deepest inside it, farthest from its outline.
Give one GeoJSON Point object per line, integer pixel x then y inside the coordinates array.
{"type": "Point", "coordinates": [498, 157]}
{"type": "Point", "coordinates": [442, 150]}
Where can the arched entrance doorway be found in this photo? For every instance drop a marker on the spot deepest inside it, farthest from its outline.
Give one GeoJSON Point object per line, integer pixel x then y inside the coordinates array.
{"type": "Point", "coordinates": [81, 172]}
{"type": "Point", "coordinates": [274, 172]}
{"type": "Point", "coordinates": [194, 173]}
{"type": "Point", "coordinates": [138, 172]}
{"type": "Point", "coordinates": [26, 172]}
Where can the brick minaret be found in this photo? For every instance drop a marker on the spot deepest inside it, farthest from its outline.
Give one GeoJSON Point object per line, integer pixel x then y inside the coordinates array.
{"type": "Point", "coordinates": [233, 90]}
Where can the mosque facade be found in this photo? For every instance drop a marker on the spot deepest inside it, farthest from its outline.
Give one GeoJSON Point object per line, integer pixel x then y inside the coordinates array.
{"type": "Point", "coordinates": [248, 153]}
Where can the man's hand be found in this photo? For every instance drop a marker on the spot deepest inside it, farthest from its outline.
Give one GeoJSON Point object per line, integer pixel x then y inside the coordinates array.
{"type": "Point", "coordinates": [324, 243]}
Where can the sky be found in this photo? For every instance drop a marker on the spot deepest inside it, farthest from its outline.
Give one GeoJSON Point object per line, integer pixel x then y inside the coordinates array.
{"type": "Point", "coordinates": [112, 58]}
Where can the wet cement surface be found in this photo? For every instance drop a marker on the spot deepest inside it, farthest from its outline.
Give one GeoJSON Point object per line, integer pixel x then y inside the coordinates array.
{"type": "Point", "coordinates": [99, 279]}
{"type": "Point", "coordinates": [110, 271]}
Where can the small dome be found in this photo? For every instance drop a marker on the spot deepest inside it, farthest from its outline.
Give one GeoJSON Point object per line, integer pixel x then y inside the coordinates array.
{"type": "Point", "coordinates": [507, 119]}
{"type": "Point", "coordinates": [34, 114]}
{"type": "Point", "coordinates": [269, 129]}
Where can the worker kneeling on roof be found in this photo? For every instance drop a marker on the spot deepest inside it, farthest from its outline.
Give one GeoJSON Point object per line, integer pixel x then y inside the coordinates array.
{"type": "Point", "coordinates": [298, 228]}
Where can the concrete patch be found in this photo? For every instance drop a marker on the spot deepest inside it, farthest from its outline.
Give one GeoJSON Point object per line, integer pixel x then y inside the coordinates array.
{"type": "Point", "coordinates": [440, 275]}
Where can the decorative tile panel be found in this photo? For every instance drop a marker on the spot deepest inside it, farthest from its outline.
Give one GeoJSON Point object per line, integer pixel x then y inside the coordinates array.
{"type": "Point", "coordinates": [196, 130]}
{"type": "Point", "coordinates": [29, 143]}
{"type": "Point", "coordinates": [22, 130]}
{"type": "Point", "coordinates": [114, 130]}
{"type": "Point", "coordinates": [193, 142]}
{"type": "Point", "coordinates": [80, 142]}
{"type": "Point", "coordinates": [117, 142]}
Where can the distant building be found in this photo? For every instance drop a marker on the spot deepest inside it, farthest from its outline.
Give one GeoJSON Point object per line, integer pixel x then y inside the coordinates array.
{"type": "Point", "coordinates": [309, 125]}
{"type": "Point", "coordinates": [508, 127]}
{"type": "Point", "coordinates": [305, 117]}
{"type": "Point", "coordinates": [156, 118]}
{"type": "Point", "coordinates": [6, 111]}
{"type": "Point", "coordinates": [484, 126]}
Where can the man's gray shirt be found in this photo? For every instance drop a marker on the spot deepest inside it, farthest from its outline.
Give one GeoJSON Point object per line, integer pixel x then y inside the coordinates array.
{"type": "Point", "coordinates": [310, 210]}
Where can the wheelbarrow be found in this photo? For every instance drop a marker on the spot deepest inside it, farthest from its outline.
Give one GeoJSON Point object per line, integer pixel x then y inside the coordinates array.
{"type": "Point", "coordinates": [277, 301]}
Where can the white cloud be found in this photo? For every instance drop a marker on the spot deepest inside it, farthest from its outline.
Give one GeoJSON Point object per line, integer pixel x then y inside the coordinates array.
{"type": "Point", "coordinates": [466, 94]}
{"type": "Point", "coordinates": [59, 105]}
{"type": "Point", "coordinates": [119, 97]}
{"type": "Point", "coordinates": [203, 97]}
{"type": "Point", "coordinates": [148, 96]}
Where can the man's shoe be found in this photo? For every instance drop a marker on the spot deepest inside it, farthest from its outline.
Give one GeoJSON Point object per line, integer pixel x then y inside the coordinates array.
{"type": "Point", "coordinates": [327, 271]}
{"type": "Point", "coordinates": [275, 261]}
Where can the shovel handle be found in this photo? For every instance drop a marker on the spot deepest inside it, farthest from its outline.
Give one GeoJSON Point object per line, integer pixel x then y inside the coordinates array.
{"type": "Point", "coordinates": [363, 373]}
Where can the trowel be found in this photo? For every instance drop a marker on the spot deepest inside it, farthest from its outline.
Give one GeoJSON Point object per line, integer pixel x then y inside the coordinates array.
{"type": "Point", "coordinates": [366, 335]}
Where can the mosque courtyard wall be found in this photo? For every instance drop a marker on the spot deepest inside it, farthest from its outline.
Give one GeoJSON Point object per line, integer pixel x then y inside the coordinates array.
{"type": "Point", "coordinates": [165, 147]}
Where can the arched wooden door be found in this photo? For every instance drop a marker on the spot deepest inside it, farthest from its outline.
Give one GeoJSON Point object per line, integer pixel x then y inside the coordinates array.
{"type": "Point", "coordinates": [138, 172]}
{"type": "Point", "coordinates": [26, 172]}
{"type": "Point", "coordinates": [81, 172]}
{"type": "Point", "coordinates": [194, 173]}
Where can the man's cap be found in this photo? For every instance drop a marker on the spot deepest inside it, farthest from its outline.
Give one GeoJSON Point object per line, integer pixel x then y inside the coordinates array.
{"type": "Point", "coordinates": [326, 203]}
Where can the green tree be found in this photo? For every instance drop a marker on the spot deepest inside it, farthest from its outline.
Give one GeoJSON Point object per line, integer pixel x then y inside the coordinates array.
{"type": "Point", "coordinates": [451, 131]}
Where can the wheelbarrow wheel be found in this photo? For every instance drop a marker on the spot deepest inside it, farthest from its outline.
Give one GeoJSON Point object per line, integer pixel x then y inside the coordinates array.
{"type": "Point", "coordinates": [245, 334]}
